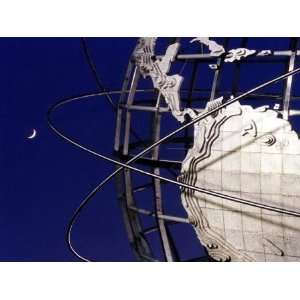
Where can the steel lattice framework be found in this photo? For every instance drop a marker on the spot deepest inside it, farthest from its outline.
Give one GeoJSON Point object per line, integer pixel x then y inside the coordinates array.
{"type": "Point", "coordinates": [128, 139]}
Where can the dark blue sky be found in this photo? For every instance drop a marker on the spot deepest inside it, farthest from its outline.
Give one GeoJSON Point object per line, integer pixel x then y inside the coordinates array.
{"type": "Point", "coordinates": [44, 179]}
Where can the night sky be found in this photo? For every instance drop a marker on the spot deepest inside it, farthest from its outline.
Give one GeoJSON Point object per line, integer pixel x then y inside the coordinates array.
{"type": "Point", "coordinates": [44, 179]}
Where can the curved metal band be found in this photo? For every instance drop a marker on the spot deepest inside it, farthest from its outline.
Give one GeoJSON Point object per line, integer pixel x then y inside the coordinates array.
{"type": "Point", "coordinates": [126, 165]}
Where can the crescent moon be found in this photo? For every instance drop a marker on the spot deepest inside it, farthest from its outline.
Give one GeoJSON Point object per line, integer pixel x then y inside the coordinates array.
{"type": "Point", "coordinates": [33, 135]}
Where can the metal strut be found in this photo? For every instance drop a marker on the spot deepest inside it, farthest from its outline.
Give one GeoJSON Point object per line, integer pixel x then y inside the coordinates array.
{"type": "Point", "coordinates": [127, 166]}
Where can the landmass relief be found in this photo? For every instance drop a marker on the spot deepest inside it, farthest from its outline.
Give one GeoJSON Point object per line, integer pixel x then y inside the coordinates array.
{"type": "Point", "coordinates": [237, 175]}
{"type": "Point", "coordinates": [237, 151]}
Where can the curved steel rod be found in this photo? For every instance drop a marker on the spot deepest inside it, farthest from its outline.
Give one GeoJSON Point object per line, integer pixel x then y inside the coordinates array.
{"type": "Point", "coordinates": [126, 165]}
{"type": "Point", "coordinates": [180, 184]}
{"type": "Point", "coordinates": [90, 62]}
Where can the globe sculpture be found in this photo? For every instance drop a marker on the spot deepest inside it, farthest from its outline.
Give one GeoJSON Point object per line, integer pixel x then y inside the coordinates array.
{"type": "Point", "coordinates": [222, 150]}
